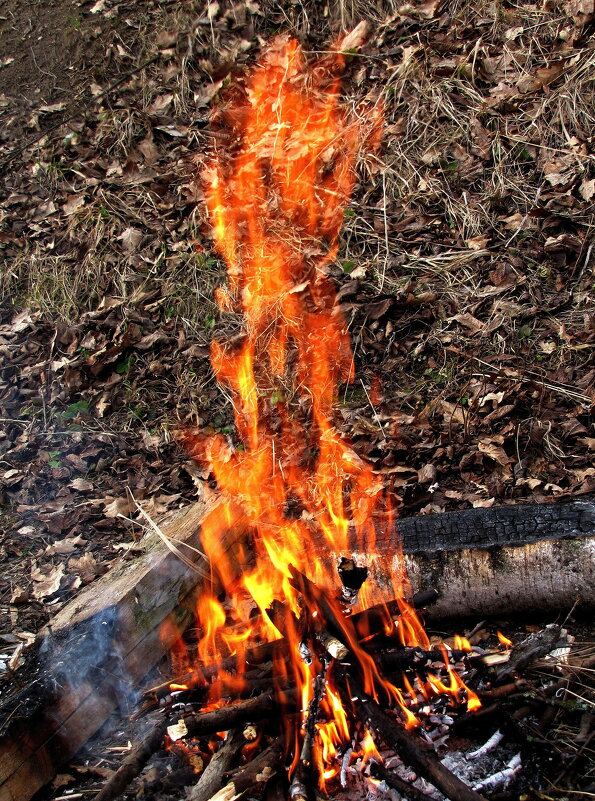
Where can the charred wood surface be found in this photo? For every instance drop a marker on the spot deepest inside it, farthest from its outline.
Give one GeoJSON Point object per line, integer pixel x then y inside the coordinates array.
{"type": "Point", "coordinates": [497, 526]}
{"type": "Point", "coordinates": [529, 557]}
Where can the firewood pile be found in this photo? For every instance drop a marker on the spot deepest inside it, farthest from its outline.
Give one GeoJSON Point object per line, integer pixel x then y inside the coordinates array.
{"type": "Point", "coordinates": [439, 720]}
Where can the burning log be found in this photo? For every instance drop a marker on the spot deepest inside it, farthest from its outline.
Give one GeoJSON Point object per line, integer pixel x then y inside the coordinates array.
{"type": "Point", "coordinates": [228, 717]}
{"type": "Point", "coordinates": [472, 579]}
{"type": "Point", "coordinates": [253, 778]}
{"type": "Point", "coordinates": [212, 778]}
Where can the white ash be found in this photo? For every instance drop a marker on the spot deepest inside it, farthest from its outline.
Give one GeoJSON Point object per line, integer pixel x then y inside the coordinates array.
{"type": "Point", "coordinates": [488, 746]}
{"type": "Point", "coordinates": [480, 768]}
{"type": "Point", "coordinates": [502, 778]}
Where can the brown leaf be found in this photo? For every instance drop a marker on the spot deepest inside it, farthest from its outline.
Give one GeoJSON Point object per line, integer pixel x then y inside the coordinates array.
{"type": "Point", "coordinates": [377, 309]}
{"type": "Point", "coordinates": [85, 566]}
{"type": "Point", "coordinates": [469, 321]}
{"type": "Point", "coordinates": [452, 412]}
{"type": "Point", "coordinates": [587, 189]}
{"type": "Point", "coordinates": [74, 203]}
{"type": "Point", "coordinates": [152, 339]}
{"type": "Point", "coordinates": [427, 474]}
{"type": "Point", "coordinates": [131, 239]}
{"type": "Point", "coordinates": [149, 150]}
{"type": "Point", "coordinates": [543, 76]}
{"type": "Point", "coordinates": [20, 596]}
{"type": "Point", "coordinates": [65, 546]}
{"type": "Point", "coordinates": [81, 484]}
{"type": "Point", "coordinates": [119, 506]}
{"type": "Point", "coordinates": [495, 452]}
{"type": "Point", "coordinates": [46, 581]}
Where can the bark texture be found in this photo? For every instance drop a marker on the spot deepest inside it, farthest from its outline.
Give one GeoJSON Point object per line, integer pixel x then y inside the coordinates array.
{"type": "Point", "coordinates": [528, 557]}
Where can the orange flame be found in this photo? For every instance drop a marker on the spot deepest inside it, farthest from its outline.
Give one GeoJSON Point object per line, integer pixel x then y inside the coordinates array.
{"type": "Point", "coordinates": [503, 640]}
{"type": "Point", "coordinates": [276, 203]}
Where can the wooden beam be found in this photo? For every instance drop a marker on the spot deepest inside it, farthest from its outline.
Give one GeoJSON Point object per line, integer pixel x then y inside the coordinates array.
{"type": "Point", "coordinates": [93, 657]}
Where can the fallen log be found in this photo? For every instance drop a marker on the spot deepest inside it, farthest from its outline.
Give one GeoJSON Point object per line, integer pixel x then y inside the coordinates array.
{"type": "Point", "coordinates": [483, 561]}
{"type": "Point", "coordinates": [93, 656]}
{"type": "Point", "coordinates": [486, 561]}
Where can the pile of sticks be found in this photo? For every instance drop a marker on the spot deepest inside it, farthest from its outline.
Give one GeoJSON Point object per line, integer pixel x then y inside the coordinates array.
{"type": "Point", "coordinates": [260, 718]}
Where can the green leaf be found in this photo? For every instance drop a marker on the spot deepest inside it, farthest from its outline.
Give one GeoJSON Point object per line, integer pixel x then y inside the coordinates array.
{"type": "Point", "coordinates": [76, 409]}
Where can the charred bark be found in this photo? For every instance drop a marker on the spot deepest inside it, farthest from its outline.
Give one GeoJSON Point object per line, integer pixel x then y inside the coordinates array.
{"type": "Point", "coordinates": [487, 561]}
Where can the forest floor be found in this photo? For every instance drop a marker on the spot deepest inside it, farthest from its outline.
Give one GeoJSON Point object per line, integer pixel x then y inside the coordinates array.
{"type": "Point", "coordinates": [465, 268]}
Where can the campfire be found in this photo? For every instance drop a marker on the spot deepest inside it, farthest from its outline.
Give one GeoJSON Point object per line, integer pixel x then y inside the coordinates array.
{"type": "Point", "coordinates": [307, 672]}
{"type": "Point", "coordinates": [276, 616]}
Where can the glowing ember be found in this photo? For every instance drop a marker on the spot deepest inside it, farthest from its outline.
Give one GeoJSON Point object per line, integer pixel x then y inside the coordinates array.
{"type": "Point", "coordinates": [276, 202]}
{"type": "Point", "coordinates": [503, 640]}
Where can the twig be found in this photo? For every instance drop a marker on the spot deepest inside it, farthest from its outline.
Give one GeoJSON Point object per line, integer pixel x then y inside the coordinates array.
{"type": "Point", "coordinates": [133, 764]}
{"type": "Point", "coordinates": [301, 782]}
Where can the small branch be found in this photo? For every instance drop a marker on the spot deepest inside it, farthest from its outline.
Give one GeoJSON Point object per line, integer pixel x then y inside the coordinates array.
{"type": "Point", "coordinates": [212, 778]}
{"type": "Point", "coordinates": [133, 763]}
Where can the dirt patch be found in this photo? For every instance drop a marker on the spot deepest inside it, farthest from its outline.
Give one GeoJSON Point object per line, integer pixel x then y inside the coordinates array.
{"type": "Point", "coordinates": [50, 55]}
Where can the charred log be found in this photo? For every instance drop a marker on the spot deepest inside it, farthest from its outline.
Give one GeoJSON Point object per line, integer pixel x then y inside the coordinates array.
{"type": "Point", "coordinates": [413, 751]}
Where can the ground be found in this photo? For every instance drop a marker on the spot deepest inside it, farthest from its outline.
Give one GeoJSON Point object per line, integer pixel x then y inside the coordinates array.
{"type": "Point", "coordinates": [465, 268]}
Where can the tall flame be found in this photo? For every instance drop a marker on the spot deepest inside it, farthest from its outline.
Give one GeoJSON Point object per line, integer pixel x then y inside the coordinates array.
{"type": "Point", "coordinates": [276, 202]}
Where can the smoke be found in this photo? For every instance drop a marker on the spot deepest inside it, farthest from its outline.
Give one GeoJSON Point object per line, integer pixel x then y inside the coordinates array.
{"type": "Point", "coordinates": [90, 657]}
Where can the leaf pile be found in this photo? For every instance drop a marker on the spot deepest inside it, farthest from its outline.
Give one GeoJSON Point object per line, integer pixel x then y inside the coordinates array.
{"type": "Point", "coordinates": [466, 268]}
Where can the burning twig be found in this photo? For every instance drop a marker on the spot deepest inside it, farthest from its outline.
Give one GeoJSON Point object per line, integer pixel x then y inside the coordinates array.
{"type": "Point", "coordinates": [530, 649]}
{"type": "Point", "coordinates": [254, 776]}
{"type": "Point", "coordinates": [213, 775]}
{"type": "Point", "coordinates": [302, 779]}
